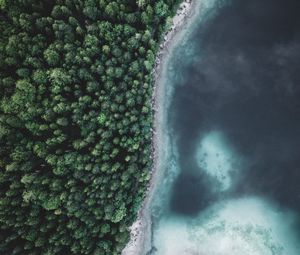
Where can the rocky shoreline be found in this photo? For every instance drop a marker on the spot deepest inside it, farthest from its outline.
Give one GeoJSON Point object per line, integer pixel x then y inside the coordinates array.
{"type": "Point", "coordinates": [142, 225]}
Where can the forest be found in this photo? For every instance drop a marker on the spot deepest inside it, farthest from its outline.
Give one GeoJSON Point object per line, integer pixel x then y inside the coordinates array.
{"type": "Point", "coordinates": [75, 121]}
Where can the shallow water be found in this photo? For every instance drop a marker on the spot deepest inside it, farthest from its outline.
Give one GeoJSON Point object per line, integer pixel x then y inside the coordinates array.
{"type": "Point", "coordinates": [231, 177]}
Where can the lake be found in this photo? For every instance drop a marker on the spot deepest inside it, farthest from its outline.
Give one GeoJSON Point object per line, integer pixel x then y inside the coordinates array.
{"type": "Point", "coordinates": [230, 182]}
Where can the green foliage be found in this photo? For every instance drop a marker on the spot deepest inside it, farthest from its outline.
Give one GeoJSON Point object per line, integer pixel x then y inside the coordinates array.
{"type": "Point", "coordinates": [2, 4]}
{"type": "Point", "coordinates": [75, 117]}
{"type": "Point", "coordinates": [161, 9]}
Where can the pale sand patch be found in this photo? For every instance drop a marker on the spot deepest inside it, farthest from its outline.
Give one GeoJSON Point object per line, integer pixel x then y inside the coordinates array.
{"type": "Point", "coordinates": [227, 228]}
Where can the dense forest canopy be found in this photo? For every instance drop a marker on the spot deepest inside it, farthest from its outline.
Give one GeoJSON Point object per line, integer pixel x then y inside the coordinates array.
{"type": "Point", "coordinates": [75, 121]}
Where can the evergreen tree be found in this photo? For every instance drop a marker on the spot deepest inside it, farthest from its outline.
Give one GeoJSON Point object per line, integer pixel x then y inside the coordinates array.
{"type": "Point", "coordinates": [75, 119]}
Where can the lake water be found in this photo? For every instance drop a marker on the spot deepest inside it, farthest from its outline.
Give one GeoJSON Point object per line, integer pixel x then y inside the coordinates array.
{"type": "Point", "coordinates": [231, 177]}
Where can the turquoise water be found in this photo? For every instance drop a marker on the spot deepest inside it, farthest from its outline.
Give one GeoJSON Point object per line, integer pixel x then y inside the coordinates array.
{"type": "Point", "coordinates": [231, 168]}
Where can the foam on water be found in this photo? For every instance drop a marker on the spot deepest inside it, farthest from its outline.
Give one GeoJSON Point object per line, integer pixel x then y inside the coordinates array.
{"type": "Point", "coordinates": [227, 228]}
{"type": "Point", "coordinates": [216, 157]}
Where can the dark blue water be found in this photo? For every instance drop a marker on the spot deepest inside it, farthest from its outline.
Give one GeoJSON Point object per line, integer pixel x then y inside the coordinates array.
{"type": "Point", "coordinates": [248, 85]}
{"type": "Point", "coordinates": [235, 114]}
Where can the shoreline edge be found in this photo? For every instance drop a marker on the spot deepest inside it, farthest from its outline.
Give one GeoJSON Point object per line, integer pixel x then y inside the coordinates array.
{"type": "Point", "coordinates": [142, 226]}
